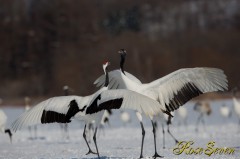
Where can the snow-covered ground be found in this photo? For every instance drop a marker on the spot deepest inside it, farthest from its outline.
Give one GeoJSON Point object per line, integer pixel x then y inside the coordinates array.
{"type": "Point", "coordinates": [119, 141]}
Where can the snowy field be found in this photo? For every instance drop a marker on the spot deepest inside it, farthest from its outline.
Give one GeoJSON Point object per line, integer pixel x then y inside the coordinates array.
{"type": "Point", "coordinates": [119, 140]}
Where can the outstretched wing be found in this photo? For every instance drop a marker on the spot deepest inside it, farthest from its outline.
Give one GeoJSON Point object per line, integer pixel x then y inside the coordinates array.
{"type": "Point", "coordinates": [57, 109]}
{"type": "Point", "coordinates": [178, 87]}
{"type": "Point", "coordinates": [116, 80]}
{"type": "Point", "coordinates": [124, 99]}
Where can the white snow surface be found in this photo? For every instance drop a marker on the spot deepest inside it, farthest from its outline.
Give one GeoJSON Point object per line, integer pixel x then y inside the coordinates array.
{"type": "Point", "coordinates": [119, 141]}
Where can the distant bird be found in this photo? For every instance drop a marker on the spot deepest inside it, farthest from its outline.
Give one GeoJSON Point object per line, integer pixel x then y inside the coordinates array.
{"type": "Point", "coordinates": [64, 126]}
{"type": "Point", "coordinates": [125, 117]}
{"type": "Point", "coordinates": [27, 107]}
{"type": "Point", "coordinates": [106, 116]}
{"type": "Point", "coordinates": [171, 91]}
{"type": "Point", "coordinates": [182, 114]}
{"type": "Point", "coordinates": [105, 120]}
{"type": "Point", "coordinates": [63, 109]}
{"type": "Point", "coordinates": [225, 111]}
{"type": "Point", "coordinates": [165, 120]}
{"type": "Point", "coordinates": [236, 105]}
{"type": "Point", "coordinates": [203, 108]}
{"type": "Point", "coordinates": [27, 103]}
{"type": "Point", "coordinates": [3, 120]}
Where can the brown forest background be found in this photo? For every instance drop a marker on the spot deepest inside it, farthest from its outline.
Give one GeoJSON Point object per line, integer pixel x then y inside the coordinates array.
{"type": "Point", "coordinates": [45, 44]}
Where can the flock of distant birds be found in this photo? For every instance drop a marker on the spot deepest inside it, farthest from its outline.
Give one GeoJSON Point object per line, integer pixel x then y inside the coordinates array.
{"type": "Point", "coordinates": [119, 89]}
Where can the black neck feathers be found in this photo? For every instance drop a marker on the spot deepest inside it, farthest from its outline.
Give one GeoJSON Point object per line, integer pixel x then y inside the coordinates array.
{"type": "Point", "coordinates": [123, 55]}
{"type": "Point", "coordinates": [107, 78]}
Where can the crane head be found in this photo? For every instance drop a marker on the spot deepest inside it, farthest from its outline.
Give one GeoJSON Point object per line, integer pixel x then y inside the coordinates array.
{"type": "Point", "coordinates": [122, 52]}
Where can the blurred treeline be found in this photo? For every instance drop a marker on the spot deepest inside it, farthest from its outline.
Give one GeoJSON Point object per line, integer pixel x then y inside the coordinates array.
{"type": "Point", "coordinates": [45, 44]}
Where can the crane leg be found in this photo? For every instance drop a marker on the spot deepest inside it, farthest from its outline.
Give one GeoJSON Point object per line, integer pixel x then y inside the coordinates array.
{"type": "Point", "coordinates": [143, 135]}
{"type": "Point", "coordinates": [155, 146]}
{"type": "Point", "coordinates": [95, 141]}
{"type": "Point", "coordinates": [66, 130]}
{"type": "Point", "coordinates": [203, 122]}
{"type": "Point", "coordinates": [163, 136]}
{"type": "Point", "coordinates": [35, 131]}
{"type": "Point", "coordinates": [185, 123]}
{"type": "Point", "coordinates": [239, 125]}
{"type": "Point", "coordinates": [198, 120]}
{"type": "Point", "coordinates": [176, 141]}
{"type": "Point", "coordinates": [84, 136]}
{"type": "Point", "coordinates": [30, 132]}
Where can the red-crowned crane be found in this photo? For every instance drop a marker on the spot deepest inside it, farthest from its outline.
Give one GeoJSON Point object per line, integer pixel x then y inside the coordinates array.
{"type": "Point", "coordinates": [27, 107]}
{"type": "Point", "coordinates": [203, 108]}
{"type": "Point", "coordinates": [64, 126]}
{"type": "Point", "coordinates": [171, 91]}
{"type": "Point", "coordinates": [89, 108]}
